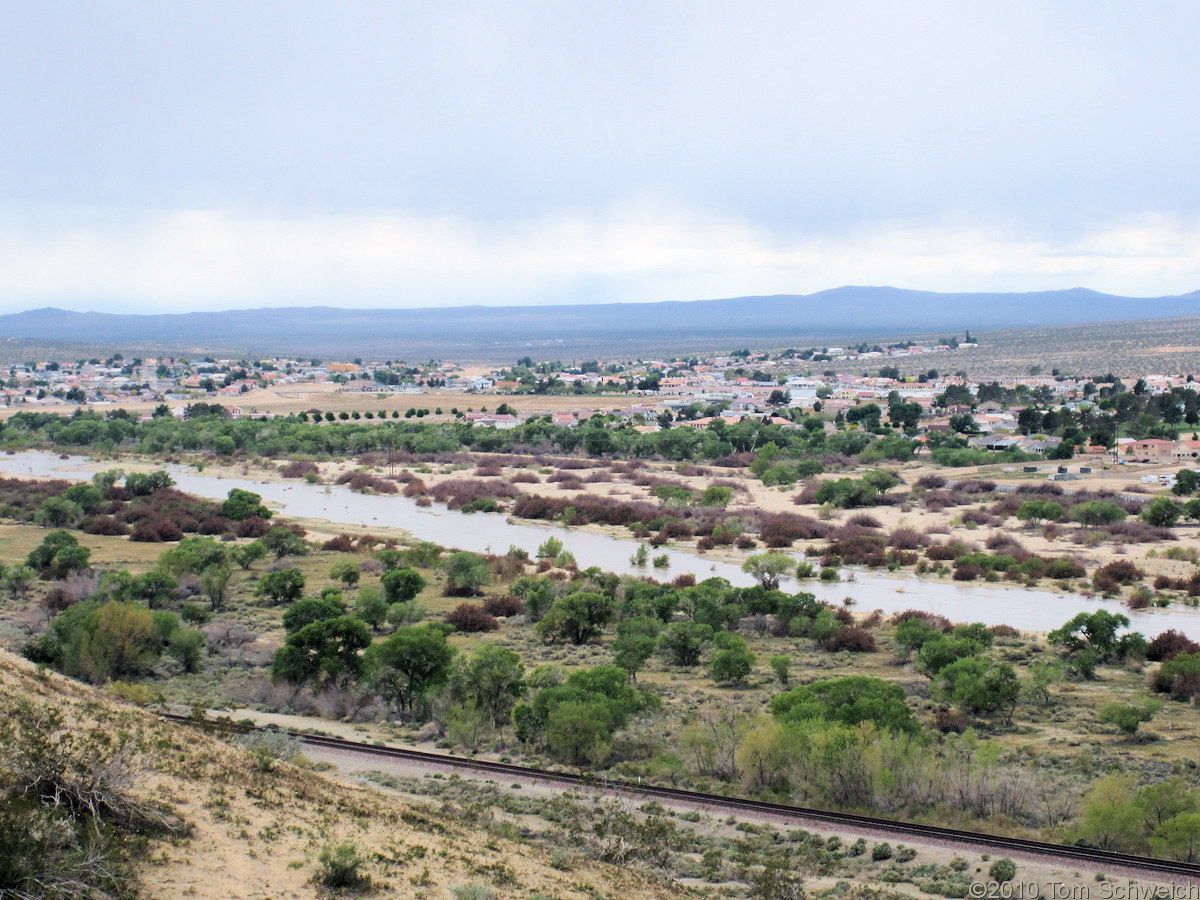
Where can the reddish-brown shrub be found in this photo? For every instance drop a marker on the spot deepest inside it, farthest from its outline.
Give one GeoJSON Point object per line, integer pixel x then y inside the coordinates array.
{"type": "Point", "coordinates": [343, 543]}
{"type": "Point", "coordinates": [949, 720]}
{"type": "Point", "coordinates": [364, 482]}
{"type": "Point", "coordinates": [903, 557]}
{"type": "Point", "coordinates": [503, 606]}
{"type": "Point", "coordinates": [1004, 631]}
{"type": "Point", "coordinates": [784, 529]}
{"type": "Point", "coordinates": [1139, 599]}
{"type": "Point", "coordinates": [415, 488]}
{"type": "Point", "coordinates": [864, 520]}
{"type": "Point", "coordinates": [852, 638]}
{"type": "Point", "coordinates": [931, 481]}
{"type": "Point", "coordinates": [524, 477]}
{"type": "Point", "coordinates": [298, 469]}
{"type": "Point", "coordinates": [968, 572]}
{"type": "Point", "coordinates": [863, 550]}
{"type": "Point", "coordinates": [103, 525]}
{"type": "Point", "coordinates": [1170, 644]}
{"type": "Point", "coordinates": [214, 524]}
{"type": "Point", "coordinates": [979, 517]}
{"type": "Point", "coordinates": [907, 539]}
{"type": "Point", "coordinates": [933, 620]}
{"type": "Point", "coordinates": [252, 527]}
{"type": "Point", "coordinates": [745, 542]}
{"type": "Point", "coordinates": [807, 495]}
{"type": "Point", "coordinates": [1137, 531]}
{"type": "Point", "coordinates": [973, 486]}
{"type": "Point", "coordinates": [458, 492]}
{"type": "Point", "coordinates": [705, 543]}
{"type": "Point", "coordinates": [1167, 583]}
{"type": "Point", "coordinates": [687, 579]}
{"type": "Point", "coordinates": [471, 617]}
{"type": "Point", "coordinates": [1065, 567]}
{"type": "Point", "coordinates": [155, 529]}
{"type": "Point", "coordinates": [1121, 571]}
{"type": "Point", "coordinates": [944, 552]}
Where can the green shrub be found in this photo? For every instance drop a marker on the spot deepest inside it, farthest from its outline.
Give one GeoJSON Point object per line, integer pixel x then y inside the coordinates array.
{"type": "Point", "coordinates": [1003, 870]}
{"type": "Point", "coordinates": [341, 867]}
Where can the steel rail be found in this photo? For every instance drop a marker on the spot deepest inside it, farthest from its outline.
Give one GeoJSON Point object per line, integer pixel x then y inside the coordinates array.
{"type": "Point", "coordinates": [989, 842]}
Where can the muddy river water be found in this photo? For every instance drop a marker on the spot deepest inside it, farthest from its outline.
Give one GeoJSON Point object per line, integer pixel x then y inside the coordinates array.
{"type": "Point", "coordinates": [1029, 610]}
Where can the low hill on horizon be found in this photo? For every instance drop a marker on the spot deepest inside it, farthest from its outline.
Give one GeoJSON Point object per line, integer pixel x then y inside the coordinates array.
{"type": "Point", "coordinates": [496, 332]}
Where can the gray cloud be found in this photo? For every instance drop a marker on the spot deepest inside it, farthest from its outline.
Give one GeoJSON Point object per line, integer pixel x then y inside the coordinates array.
{"type": "Point", "coordinates": [800, 122]}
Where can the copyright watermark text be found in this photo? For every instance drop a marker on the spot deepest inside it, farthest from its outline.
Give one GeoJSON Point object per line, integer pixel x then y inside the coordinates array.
{"type": "Point", "coordinates": [1060, 890]}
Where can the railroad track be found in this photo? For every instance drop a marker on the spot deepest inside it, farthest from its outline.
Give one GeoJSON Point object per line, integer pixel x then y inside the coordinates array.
{"type": "Point", "coordinates": [985, 842]}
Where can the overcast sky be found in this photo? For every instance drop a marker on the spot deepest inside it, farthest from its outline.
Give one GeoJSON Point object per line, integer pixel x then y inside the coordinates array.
{"type": "Point", "coordinates": [185, 155]}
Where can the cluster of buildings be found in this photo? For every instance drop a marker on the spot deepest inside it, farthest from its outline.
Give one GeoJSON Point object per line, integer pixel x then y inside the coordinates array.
{"type": "Point", "coordinates": [673, 393]}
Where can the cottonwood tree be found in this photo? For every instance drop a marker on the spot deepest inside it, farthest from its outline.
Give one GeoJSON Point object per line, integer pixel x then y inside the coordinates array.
{"type": "Point", "coordinates": [322, 653]}
{"type": "Point", "coordinates": [409, 664]}
{"type": "Point", "coordinates": [769, 569]}
{"type": "Point", "coordinates": [494, 678]}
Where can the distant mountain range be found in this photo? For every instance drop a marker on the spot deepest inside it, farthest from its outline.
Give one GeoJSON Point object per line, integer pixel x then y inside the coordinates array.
{"type": "Point", "coordinates": [496, 332]}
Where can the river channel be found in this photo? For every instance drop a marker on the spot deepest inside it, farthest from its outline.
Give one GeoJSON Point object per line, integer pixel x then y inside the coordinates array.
{"type": "Point", "coordinates": [1026, 609]}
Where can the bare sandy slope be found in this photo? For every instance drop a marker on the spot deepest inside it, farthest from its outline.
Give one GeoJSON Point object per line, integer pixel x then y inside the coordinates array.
{"type": "Point", "coordinates": [257, 833]}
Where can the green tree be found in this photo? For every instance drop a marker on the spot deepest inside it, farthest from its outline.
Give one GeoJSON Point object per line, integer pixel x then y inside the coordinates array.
{"type": "Point", "coordinates": [494, 677]}
{"type": "Point", "coordinates": [284, 542]}
{"type": "Point", "coordinates": [153, 588]}
{"type": "Point", "coordinates": [1178, 838]}
{"type": "Point", "coordinates": [1034, 511]}
{"type": "Point", "coordinates": [1187, 482]}
{"type": "Point", "coordinates": [731, 661]}
{"type": "Point", "coordinates": [214, 581]}
{"type": "Point", "coordinates": [17, 580]}
{"type": "Point", "coordinates": [580, 730]}
{"type": "Point", "coordinates": [371, 607]}
{"type": "Point", "coordinates": [187, 647]}
{"type": "Point", "coordinates": [1090, 631]}
{"type": "Point", "coordinates": [578, 617]}
{"type": "Point", "coordinates": [311, 609]}
{"type": "Point", "coordinates": [850, 700]}
{"type": "Point", "coordinates": [1094, 513]}
{"type": "Point", "coordinates": [87, 496]}
{"type": "Point", "coordinates": [191, 556]}
{"type": "Point", "coordinates": [1165, 799]}
{"type": "Point", "coordinates": [1162, 512]}
{"type": "Point", "coordinates": [637, 638]}
{"type": "Point", "coordinates": [769, 569]}
{"type": "Point", "coordinates": [781, 665]}
{"type": "Point", "coordinates": [882, 480]}
{"type": "Point", "coordinates": [402, 585]}
{"type": "Point", "coordinates": [100, 642]}
{"type": "Point", "coordinates": [58, 555]}
{"type": "Point", "coordinates": [143, 484]}
{"type": "Point", "coordinates": [346, 571]}
{"type": "Point", "coordinates": [246, 555]}
{"type": "Point", "coordinates": [1110, 817]}
{"type": "Point", "coordinates": [716, 495]}
{"type": "Point", "coordinates": [409, 664]}
{"type": "Point", "coordinates": [241, 505]}
{"type": "Point", "coordinates": [977, 685]}
{"type": "Point", "coordinates": [683, 642]}
{"type": "Point", "coordinates": [281, 586]}
{"type": "Point", "coordinates": [466, 573]}
{"type": "Point", "coordinates": [322, 653]}
{"type": "Point", "coordinates": [58, 512]}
